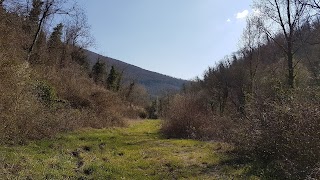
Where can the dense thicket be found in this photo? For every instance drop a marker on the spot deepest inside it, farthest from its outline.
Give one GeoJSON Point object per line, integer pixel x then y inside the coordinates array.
{"type": "Point", "coordinates": [264, 98]}
{"type": "Point", "coordinates": [45, 82]}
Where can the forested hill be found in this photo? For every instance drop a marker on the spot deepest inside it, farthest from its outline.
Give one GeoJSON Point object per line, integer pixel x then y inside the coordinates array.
{"type": "Point", "coordinates": [155, 83]}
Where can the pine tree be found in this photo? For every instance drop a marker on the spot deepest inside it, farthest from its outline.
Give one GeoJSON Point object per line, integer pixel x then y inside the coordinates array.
{"type": "Point", "coordinates": [55, 45]}
{"type": "Point", "coordinates": [35, 11]}
{"type": "Point", "coordinates": [113, 80]}
{"type": "Point", "coordinates": [118, 82]}
{"type": "Point", "coordinates": [99, 72]}
{"type": "Point", "coordinates": [55, 38]}
{"type": "Point", "coordinates": [30, 24]}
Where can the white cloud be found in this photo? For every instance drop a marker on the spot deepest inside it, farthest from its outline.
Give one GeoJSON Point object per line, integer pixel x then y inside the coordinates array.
{"type": "Point", "coordinates": [242, 14]}
{"type": "Point", "coordinates": [228, 20]}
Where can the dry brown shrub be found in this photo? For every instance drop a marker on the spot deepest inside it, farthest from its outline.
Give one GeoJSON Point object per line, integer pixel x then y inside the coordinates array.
{"type": "Point", "coordinates": [190, 116]}
{"type": "Point", "coordinates": [101, 107]}
{"type": "Point", "coordinates": [135, 112]}
{"type": "Point", "coordinates": [40, 100]}
{"type": "Point", "coordinates": [108, 108]}
{"type": "Point", "coordinates": [80, 102]}
{"type": "Point", "coordinates": [283, 134]}
{"type": "Point", "coordinates": [22, 116]}
{"type": "Point", "coordinates": [12, 37]}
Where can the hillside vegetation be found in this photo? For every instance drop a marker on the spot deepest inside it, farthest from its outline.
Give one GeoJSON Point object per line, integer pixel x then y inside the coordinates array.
{"type": "Point", "coordinates": [46, 82]}
{"type": "Point", "coordinates": [265, 98]}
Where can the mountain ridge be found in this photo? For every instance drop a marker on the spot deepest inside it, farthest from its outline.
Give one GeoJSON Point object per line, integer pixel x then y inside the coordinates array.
{"type": "Point", "coordinates": [154, 82]}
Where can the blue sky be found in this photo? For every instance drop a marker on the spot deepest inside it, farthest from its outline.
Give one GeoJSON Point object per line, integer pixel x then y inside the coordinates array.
{"type": "Point", "coordinates": [180, 38]}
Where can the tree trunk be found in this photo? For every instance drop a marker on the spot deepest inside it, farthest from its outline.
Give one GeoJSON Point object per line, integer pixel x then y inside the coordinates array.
{"type": "Point", "coordinates": [290, 70]}
{"type": "Point", "coordinates": [290, 60]}
{"type": "Point", "coordinates": [45, 14]}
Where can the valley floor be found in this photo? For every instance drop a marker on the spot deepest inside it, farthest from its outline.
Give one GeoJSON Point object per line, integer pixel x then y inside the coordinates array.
{"type": "Point", "coordinates": [135, 152]}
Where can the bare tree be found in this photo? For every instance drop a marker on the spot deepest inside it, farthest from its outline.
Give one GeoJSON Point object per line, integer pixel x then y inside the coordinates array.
{"type": "Point", "coordinates": [315, 4]}
{"type": "Point", "coordinates": [252, 40]}
{"type": "Point", "coordinates": [49, 9]}
{"type": "Point", "coordinates": [76, 37]}
{"type": "Point", "coordinates": [77, 30]}
{"type": "Point", "coordinates": [284, 17]}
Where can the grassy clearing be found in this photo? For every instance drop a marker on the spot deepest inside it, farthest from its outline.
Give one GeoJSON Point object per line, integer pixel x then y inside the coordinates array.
{"type": "Point", "coordinates": [135, 152]}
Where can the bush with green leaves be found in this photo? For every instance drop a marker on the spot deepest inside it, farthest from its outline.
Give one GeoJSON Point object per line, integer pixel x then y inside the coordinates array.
{"type": "Point", "coordinates": [46, 93]}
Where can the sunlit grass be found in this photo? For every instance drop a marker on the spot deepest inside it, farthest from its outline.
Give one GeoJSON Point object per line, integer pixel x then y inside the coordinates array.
{"type": "Point", "coordinates": [135, 152]}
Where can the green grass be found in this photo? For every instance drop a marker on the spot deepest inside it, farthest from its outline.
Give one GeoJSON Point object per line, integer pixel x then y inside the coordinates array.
{"type": "Point", "coordinates": [135, 152]}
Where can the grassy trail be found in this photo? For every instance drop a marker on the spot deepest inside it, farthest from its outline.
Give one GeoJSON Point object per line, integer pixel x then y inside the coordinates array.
{"type": "Point", "coordinates": [135, 152]}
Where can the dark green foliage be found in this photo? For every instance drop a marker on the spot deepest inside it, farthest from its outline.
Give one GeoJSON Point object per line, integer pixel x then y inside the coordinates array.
{"type": "Point", "coordinates": [29, 26]}
{"type": "Point", "coordinates": [55, 38]}
{"type": "Point", "coordinates": [113, 80]}
{"type": "Point", "coordinates": [99, 72]}
{"type": "Point", "coordinates": [35, 11]}
{"type": "Point", "coordinates": [118, 82]}
{"type": "Point", "coordinates": [55, 46]}
{"type": "Point", "coordinates": [46, 93]}
{"type": "Point", "coordinates": [152, 110]}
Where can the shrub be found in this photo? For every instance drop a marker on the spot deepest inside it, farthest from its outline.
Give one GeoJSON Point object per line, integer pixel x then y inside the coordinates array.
{"type": "Point", "coordinates": [22, 116]}
{"type": "Point", "coordinates": [108, 108]}
{"type": "Point", "coordinates": [135, 112]}
{"type": "Point", "coordinates": [283, 135]}
{"type": "Point", "coordinates": [189, 116]}
{"type": "Point", "coordinates": [102, 107]}
{"type": "Point", "coordinates": [279, 133]}
{"type": "Point", "coordinates": [61, 100]}
{"type": "Point", "coordinates": [143, 114]}
{"type": "Point", "coordinates": [46, 93]}
{"type": "Point", "coordinates": [40, 98]}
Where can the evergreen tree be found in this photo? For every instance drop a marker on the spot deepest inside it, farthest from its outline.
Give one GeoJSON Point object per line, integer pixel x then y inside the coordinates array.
{"type": "Point", "coordinates": [118, 82]}
{"type": "Point", "coordinates": [113, 80]}
{"type": "Point", "coordinates": [55, 38]}
{"type": "Point", "coordinates": [55, 45]}
{"type": "Point", "coordinates": [99, 72]}
{"type": "Point", "coordinates": [153, 110]}
{"type": "Point", "coordinates": [35, 11]}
